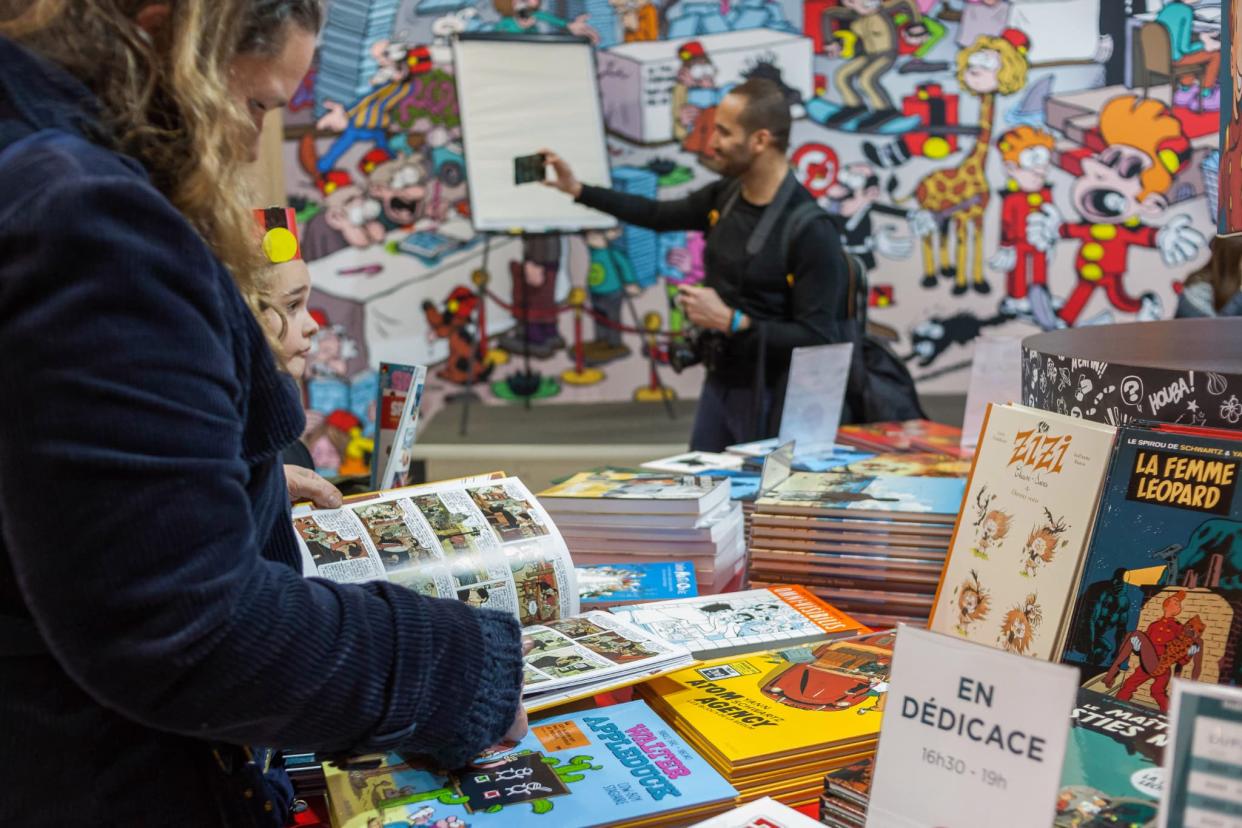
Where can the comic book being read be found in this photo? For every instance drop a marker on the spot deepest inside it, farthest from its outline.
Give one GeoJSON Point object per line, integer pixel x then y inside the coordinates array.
{"type": "Point", "coordinates": [1023, 530]}
{"type": "Point", "coordinates": [712, 626]}
{"type": "Point", "coordinates": [1160, 596]}
{"type": "Point", "coordinates": [588, 653]}
{"type": "Point", "coordinates": [490, 544]}
{"type": "Point", "coordinates": [619, 765]}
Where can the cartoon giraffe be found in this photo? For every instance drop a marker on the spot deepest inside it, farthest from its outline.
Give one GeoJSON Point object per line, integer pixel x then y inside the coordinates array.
{"type": "Point", "coordinates": [958, 197]}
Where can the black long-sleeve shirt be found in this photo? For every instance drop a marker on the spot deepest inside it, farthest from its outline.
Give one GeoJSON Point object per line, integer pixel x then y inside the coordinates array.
{"type": "Point", "coordinates": [800, 297]}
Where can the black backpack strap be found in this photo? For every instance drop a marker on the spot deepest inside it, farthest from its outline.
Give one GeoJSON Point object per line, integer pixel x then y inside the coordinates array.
{"type": "Point", "coordinates": [732, 192]}
{"type": "Point", "coordinates": [771, 214]}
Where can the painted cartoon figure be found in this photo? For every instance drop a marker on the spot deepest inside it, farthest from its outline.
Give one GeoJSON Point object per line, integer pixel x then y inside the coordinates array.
{"type": "Point", "coordinates": [958, 197]}
{"type": "Point", "coordinates": [348, 218]}
{"type": "Point", "coordinates": [854, 197]}
{"type": "Point", "coordinates": [1121, 187]}
{"type": "Point", "coordinates": [370, 117]}
{"type": "Point", "coordinates": [1042, 544]}
{"type": "Point", "coordinates": [1026, 153]}
{"type": "Point", "coordinates": [610, 277]}
{"type": "Point", "coordinates": [1018, 628]}
{"type": "Point", "coordinates": [991, 524]}
{"type": "Point", "coordinates": [874, 38]}
{"type": "Point", "coordinates": [399, 184]}
{"type": "Point", "coordinates": [972, 603]}
{"type": "Point", "coordinates": [1167, 644]}
{"type": "Point", "coordinates": [455, 322]}
{"type": "Point", "coordinates": [639, 20]}
{"type": "Point", "coordinates": [534, 298]}
{"type": "Point", "coordinates": [694, 98]}
{"type": "Point", "coordinates": [527, 17]}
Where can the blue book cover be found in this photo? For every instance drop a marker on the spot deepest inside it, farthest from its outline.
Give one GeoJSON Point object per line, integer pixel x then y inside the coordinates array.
{"type": "Point", "coordinates": [1112, 773]}
{"type": "Point", "coordinates": [1160, 595]}
{"type": "Point", "coordinates": [600, 767]}
{"type": "Point", "coordinates": [935, 499]}
{"type": "Point", "coordinates": [629, 583]}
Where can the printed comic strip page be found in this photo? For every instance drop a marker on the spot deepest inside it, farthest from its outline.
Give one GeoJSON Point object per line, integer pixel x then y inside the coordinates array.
{"type": "Point", "coordinates": [588, 648]}
{"type": "Point", "coordinates": [489, 544]}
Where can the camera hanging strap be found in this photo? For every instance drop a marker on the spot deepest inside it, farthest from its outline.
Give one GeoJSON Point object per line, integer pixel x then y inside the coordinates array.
{"type": "Point", "coordinates": [772, 213]}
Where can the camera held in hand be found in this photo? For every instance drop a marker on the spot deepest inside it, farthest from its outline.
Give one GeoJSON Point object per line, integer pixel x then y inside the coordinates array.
{"type": "Point", "coordinates": [698, 346]}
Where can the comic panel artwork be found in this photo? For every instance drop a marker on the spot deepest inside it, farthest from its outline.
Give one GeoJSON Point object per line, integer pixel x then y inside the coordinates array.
{"type": "Point", "coordinates": [992, 169]}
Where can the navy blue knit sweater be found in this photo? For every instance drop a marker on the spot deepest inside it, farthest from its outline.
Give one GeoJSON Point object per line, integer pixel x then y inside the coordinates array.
{"type": "Point", "coordinates": [150, 601]}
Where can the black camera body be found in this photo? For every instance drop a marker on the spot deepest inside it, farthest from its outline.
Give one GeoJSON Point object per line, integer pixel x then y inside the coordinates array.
{"type": "Point", "coordinates": [699, 346]}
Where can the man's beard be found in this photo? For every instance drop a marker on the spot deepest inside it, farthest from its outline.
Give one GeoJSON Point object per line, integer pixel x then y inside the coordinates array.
{"type": "Point", "coordinates": [727, 167]}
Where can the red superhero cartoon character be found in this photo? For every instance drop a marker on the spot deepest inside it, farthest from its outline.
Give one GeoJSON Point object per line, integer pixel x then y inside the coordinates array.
{"type": "Point", "coordinates": [1026, 153]}
{"type": "Point", "coordinates": [1167, 644]}
{"type": "Point", "coordinates": [1122, 187]}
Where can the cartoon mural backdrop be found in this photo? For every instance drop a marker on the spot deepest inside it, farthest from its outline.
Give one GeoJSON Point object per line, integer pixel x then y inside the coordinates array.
{"type": "Point", "coordinates": [996, 165]}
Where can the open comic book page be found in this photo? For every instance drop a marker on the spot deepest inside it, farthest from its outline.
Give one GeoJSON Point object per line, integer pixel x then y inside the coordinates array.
{"type": "Point", "coordinates": [488, 543]}
{"type": "Point", "coordinates": [595, 649]}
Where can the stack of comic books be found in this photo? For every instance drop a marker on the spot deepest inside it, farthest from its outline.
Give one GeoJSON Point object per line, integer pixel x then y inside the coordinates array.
{"type": "Point", "coordinates": [843, 804]}
{"type": "Point", "coordinates": [488, 542]}
{"type": "Point", "coordinates": [615, 516]}
{"type": "Point", "coordinates": [714, 626]}
{"type": "Point", "coordinates": [617, 766]}
{"type": "Point", "coordinates": [773, 722]}
{"type": "Point", "coordinates": [872, 544]}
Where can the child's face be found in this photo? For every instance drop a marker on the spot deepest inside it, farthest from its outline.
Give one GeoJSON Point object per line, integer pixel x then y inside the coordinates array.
{"type": "Point", "coordinates": [290, 294]}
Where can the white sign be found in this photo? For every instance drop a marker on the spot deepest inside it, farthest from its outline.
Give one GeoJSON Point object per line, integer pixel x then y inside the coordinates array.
{"type": "Point", "coordinates": [1203, 758]}
{"type": "Point", "coordinates": [995, 377]}
{"type": "Point", "coordinates": [982, 731]}
{"type": "Point", "coordinates": [814, 396]}
{"type": "Point", "coordinates": [776, 468]}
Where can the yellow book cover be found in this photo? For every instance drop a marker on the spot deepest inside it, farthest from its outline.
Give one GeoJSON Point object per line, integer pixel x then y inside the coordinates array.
{"type": "Point", "coordinates": [782, 702]}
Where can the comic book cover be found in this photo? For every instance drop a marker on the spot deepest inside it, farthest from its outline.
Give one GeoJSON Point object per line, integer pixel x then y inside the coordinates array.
{"type": "Point", "coordinates": [761, 813]}
{"type": "Point", "coordinates": [611, 490]}
{"type": "Point", "coordinates": [784, 702]}
{"type": "Point", "coordinates": [612, 766]}
{"type": "Point", "coordinates": [898, 436]}
{"type": "Point", "coordinates": [486, 542]}
{"type": "Point", "coordinates": [1112, 773]}
{"type": "Point", "coordinates": [605, 585]}
{"type": "Point", "coordinates": [715, 625]}
{"type": "Point", "coordinates": [929, 499]}
{"type": "Point", "coordinates": [695, 462]}
{"type": "Point", "coordinates": [1022, 533]}
{"type": "Point", "coordinates": [838, 455]}
{"type": "Point", "coordinates": [907, 464]}
{"type": "Point", "coordinates": [396, 423]}
{"type": "Point", "coordinates": [1161, 590]}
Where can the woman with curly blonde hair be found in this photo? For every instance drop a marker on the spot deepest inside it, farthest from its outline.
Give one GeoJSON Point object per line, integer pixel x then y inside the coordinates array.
{"type": "Point", "coordinates": [154, 625]}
